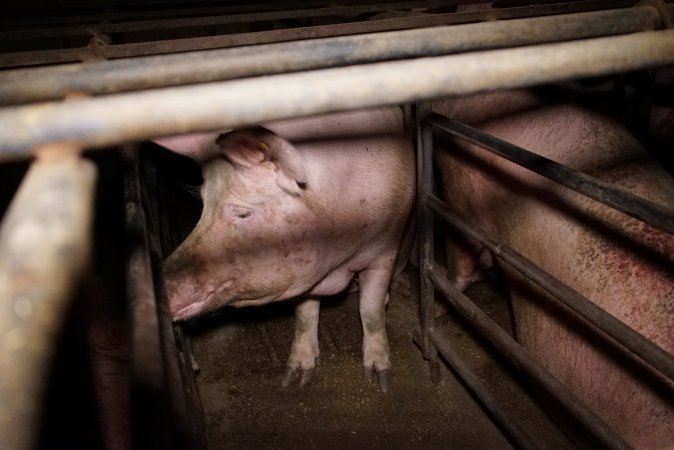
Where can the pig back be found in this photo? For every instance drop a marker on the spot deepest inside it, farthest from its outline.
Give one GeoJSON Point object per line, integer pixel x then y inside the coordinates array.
{"type": "Point", "coordinates": [360, 165]}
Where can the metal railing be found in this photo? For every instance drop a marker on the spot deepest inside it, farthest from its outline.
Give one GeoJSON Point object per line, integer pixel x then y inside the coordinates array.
{"type": "Point", "coordinates": [432, 275]}
{"type": "Point", "coordinates": [122, 117]}
{"type": "Point", "coordinates": [113, 119]}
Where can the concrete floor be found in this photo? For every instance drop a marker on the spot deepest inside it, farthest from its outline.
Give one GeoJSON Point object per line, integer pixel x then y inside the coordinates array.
{"type": "Point", "coordinates": [241, 354]}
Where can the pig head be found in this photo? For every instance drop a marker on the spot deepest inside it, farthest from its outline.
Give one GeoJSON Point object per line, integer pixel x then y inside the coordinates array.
{"type": "Point", "coordinates": [296, 209]}
{"type": "Point", "coordinates": [620, 263]}
{"type": "Point", "coordinates": [254, 231]}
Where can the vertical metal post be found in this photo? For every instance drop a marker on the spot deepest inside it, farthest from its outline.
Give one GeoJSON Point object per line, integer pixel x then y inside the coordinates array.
{"type": "Point", "coordinates": [45, 242]}
{"type": "Point", "coordinates": [424, 136]}
{"type": "Point", "coordinates": [150, 405]}
{"type": "Point", "coordinates": [181, 383]}
{"type": "Point", "coordinates": [166, 411]}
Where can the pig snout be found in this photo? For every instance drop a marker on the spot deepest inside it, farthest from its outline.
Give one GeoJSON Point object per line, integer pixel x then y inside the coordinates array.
{"type": "Point", "coordinates": [188, 294]}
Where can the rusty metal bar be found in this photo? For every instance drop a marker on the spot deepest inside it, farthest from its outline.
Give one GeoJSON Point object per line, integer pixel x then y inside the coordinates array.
{"type": "Point", "coordinates": [163, 414]}
{"type": "Point", "coordinates": [212, 20]}
{"type": "Point", "coordinates": [501, 416]}
{"type": "Point", "coordinates": [150, 413]}
{"type": "Point", "coordinates": [201, 43]}
{"type": "Point", "coordinates": [516, 354]}
{"type": "Point", "coordinates": [424, 146]}
{"type": "Point", "coordinates": [622, 334]}
{"type": "Point", "coordinates": [132, 116]}
{"type": "Point", "coordinates": [45, 241]}
{"type": "Point", "coordinates": [632, 205]}
{"type": "Point", "coordinates": [108, 13]}
{"type": "Point", "coordinates": [106, 77]}
{"type": "Point", "coordinates": [188, 415]}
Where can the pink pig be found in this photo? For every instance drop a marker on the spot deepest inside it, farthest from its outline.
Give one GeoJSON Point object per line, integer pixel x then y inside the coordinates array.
{"type": "Point", "coordinates": [620, 263]}
{"type": "Point", "coordinates": [297, 210]}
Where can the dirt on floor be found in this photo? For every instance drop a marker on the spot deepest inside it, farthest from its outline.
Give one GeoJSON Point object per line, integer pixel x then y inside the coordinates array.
{"type": "Point", "coordinates": [241, 355]}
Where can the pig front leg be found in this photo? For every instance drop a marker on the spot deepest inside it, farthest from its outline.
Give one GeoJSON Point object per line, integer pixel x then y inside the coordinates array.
{"type": "Point", "coordinates": [304, 353]}
{"type": "Point", "coordinates": [374, 285]}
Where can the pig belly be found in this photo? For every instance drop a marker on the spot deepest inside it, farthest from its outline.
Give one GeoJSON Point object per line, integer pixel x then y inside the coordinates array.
{"type": "Point", "coordinates": [621, 264]}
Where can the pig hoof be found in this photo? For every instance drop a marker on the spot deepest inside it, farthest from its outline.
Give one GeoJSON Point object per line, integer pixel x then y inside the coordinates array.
{"type": "Point", "coordinates": [298, 373]}
{"type": "Point", "coordinates": [382, 377]}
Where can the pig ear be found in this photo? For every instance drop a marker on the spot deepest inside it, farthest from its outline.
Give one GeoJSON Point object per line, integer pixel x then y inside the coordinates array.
{"type": "Point", "coordinates": [199, 146]}
{"type": "Point", "coordinates": [252, 146]}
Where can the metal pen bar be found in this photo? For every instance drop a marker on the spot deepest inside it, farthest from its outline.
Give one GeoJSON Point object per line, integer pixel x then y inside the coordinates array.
{"type": "Point", "coordinates": [106, 77]}
{"type": "Point", "coordinates": [263, 37]}
{"type": "Point", "coordinates": [56, 15]}
{"type": "Point", "coordinates": [424, 146]}
{"type": "Point", "coordinates": [616, 329]}
{"type": "Point", "coordinates": [632, 205]}
{"type": "Point", "coordinates": [213, 19]}
{"type": "Point", "coordinates": [187, 412]}
{"type": "Point", "coordinates": [502, 417]}
{"type": "Point", "coordinates": [45, 242]}
{"type": "Point", "coordinates": [117, 118]}
{"type": "Point", "coordinates": [516, 353]}
{"type": "Point", "coordinates": [150, 406]}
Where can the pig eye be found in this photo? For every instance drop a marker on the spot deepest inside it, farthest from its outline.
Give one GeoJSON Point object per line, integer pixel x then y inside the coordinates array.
{"type": "Point", "coordinates": [238, 211]}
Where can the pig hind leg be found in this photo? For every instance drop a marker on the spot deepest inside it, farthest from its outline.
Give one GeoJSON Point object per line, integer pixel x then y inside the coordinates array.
{"type": "Point", "coordinates": [304, 352]}
{"type": "Point", "coordinates": [465, 260]}
{"type": "Point", "coordinates": [374, 284]}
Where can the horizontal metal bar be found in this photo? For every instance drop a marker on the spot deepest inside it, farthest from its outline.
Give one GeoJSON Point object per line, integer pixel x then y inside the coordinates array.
{"type": "Point", "coordinates": [30, 16]}
{"type": "Point", "coordinates": [511, 427]}
{"type": "Point", "coordinates": [645, 210]}
{"type": "Point", "coordinates": [212, 20]}
{"type": "Point", "coordinates": [516, 353]}
{"type": "Point", "coordinates": [108, 77]}
{"type": "Point", "coordinates": [633, 341]}
{"type": "Point", "coordinates": [34, 58]}
{"type": "Point", "coordinates": [93, 122]}
{"type": "Point", "coordinates": [45, 240]}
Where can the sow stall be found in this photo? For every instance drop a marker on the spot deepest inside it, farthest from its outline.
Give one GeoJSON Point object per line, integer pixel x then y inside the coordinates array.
{"type": "Point", "coordinates": [54, 231]}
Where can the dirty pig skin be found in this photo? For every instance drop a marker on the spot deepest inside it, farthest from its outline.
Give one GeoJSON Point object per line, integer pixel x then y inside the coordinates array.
{"type": "Point", "coordinates": [295, 210]}
{"type": "Point", "coordinates": [623, 265]}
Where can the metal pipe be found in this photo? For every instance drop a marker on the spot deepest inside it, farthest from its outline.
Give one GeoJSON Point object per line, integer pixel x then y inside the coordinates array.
{"type": "Point", "coordinates": [45, 241]}
{"type": "Point", "coordinates": [201, 43]}
{"type": "Point", "coordinates": [632, 205]}
{"type": "Point", "coordinates": [187, 411]}
{"type": "Point", "coordinates": [424, 134]}
{"type": "Point", "coordinates": [516, 354]}
{"type": "Point", "coordinates": [113, 119]}
{"type": "Point", "coordinates": [641, 347]}
{"type": "Point", "coordinates": [214, 19]}
{"type": "Point", "coordinates": [106, 77]}
{"type": "Point", "coordinates": [510, 426]}
{"type": "Point", "coordinates": [57, 15]}
{"type": "Point", "coordinates": [151, 422]}
{"type": "Point", "coordinates": [163, 413]}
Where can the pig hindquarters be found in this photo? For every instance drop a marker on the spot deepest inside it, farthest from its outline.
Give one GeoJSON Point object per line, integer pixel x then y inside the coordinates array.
{"type": "Point", "coordinates": [620, 263]}
{"type": "Point", "coordinates": [296, 210]}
